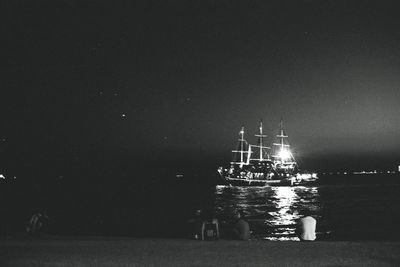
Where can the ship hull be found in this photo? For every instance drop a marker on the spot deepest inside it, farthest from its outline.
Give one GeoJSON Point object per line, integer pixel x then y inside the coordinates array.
{"type": "Point", "coordinates": [287, 181]}
{"type": "Point", "coordinates": [246, 182]}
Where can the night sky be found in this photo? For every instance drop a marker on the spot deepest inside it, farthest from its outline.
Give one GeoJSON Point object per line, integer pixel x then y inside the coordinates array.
{"type": "Point", "coordinates": [118, 87]}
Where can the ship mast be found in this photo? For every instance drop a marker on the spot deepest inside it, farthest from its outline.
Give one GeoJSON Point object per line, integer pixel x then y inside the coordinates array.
{"type": "Point", "coordinates": [260, 141]}
{"type": "Point", "coordinates": [282, 154]}
{"type": "Point", "coordinates": [241, 147]}
{"type": "Point", "coordinates": [260, 147]}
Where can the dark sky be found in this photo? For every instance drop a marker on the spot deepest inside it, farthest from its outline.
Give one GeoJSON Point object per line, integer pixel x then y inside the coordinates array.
{"type": "Point", "coordinates": [122, 84]}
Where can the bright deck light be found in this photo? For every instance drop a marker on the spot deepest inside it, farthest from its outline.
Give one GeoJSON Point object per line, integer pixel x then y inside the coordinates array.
{"type": "Point", "coordinates": [284, 154]}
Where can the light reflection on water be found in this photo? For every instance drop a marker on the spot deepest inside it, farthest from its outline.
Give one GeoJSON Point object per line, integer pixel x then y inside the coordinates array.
{"type": "Point", "coordinates": [272, 212]}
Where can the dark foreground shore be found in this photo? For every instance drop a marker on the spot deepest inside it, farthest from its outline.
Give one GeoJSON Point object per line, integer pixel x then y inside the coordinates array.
{"type": "Point", "coordinates": [103, 251]}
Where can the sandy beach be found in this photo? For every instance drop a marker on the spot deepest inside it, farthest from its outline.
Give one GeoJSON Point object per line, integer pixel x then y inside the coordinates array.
{"type": "Point", "coordinates": [107, 251]}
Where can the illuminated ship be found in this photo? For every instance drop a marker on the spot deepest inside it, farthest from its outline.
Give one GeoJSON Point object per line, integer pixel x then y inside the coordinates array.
{"type": "Point", "coordinates": [254, 165]}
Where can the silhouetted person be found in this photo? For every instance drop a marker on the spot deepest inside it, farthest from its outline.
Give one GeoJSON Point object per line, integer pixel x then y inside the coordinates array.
{"type": "Point", "coordinates": [306, 227]}
{"type": "Point", "coordinates": [36, 222]}
{"type": "Point", "coordinates": [195, 224]}
{"type": "Point", "coordinates": [241, 228]}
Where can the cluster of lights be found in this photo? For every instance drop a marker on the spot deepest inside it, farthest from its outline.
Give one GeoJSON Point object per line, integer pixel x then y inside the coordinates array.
{"type": "Point", "coordinates": [2, 177]}
{"type": "Point", "coordinates": [360, 172]}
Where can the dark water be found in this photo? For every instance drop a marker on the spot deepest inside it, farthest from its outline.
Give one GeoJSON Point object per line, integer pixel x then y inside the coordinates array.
{"type": "Point", "coordinates": [347, 207]}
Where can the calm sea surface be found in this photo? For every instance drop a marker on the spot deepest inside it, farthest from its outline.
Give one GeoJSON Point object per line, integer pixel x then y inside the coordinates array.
{"type": "Point", "coordinates": [347, 207]}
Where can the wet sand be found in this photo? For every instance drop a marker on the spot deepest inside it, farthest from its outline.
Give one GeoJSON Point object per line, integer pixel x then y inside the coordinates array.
{"type": "Point", "coordinates": [104, 251]}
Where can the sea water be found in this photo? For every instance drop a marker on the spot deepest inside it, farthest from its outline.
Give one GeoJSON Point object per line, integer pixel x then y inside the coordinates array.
{"type": "Point", "coordinates": [347, 207]}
